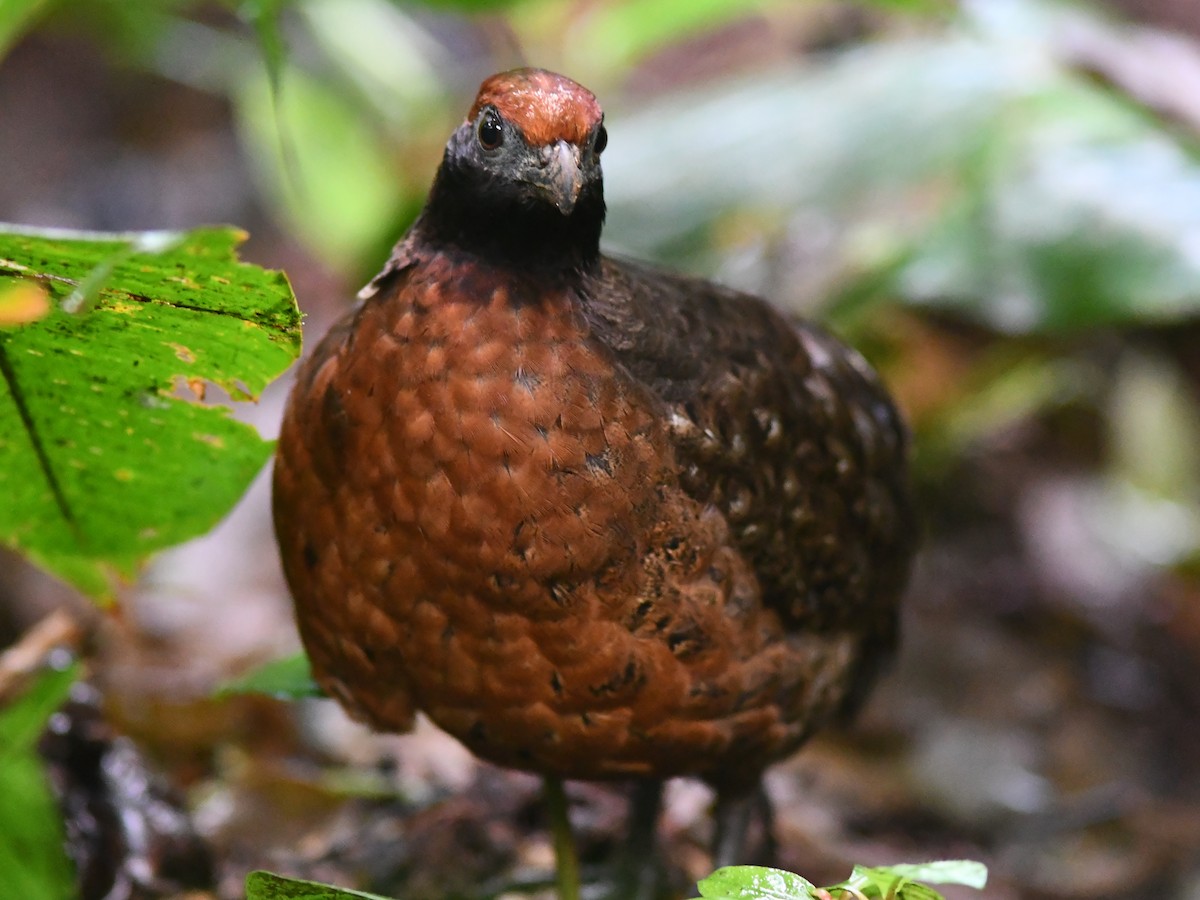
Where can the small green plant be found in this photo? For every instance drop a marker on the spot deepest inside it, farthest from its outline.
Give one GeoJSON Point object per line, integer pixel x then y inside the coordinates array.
{"type": "Point", "coordinates": [897, 882]}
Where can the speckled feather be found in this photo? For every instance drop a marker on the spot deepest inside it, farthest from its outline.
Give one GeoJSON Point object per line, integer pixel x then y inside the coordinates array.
{"type": "Point", "coordinates": [599, 523]}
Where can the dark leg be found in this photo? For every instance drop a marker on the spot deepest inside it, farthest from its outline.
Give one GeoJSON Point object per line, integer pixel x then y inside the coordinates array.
{"type": "Point", "coordinates": [637, 871]}
{"type": "Point", "coordinates": [735, 811]}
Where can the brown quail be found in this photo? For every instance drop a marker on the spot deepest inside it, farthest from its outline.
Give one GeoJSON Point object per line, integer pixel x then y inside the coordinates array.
{"type": "Point", "coordinates": [594, 519]}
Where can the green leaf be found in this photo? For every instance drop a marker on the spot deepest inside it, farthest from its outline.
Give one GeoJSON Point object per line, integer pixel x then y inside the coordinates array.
{"type": "Point", "coordinates": [289, 678]}
{"type": "Point", "coordinates": [966, 872]}
{"type": "Point", "coordinates": [105, 456]}
{"type": "Point", "coordinates": [269, 886]}
{"type": "Point", "coordinates": [903, 881]}
{"type": "Point", "coordinates": [33, 863]}
{"type": "Point", "coordinates": [755, 883]}
{"type": "Point", "coordinates": [16, 16]}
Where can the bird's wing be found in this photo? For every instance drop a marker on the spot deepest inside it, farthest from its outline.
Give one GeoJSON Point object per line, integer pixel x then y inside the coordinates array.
{"type": "Point", "coordinates": [784, 429]}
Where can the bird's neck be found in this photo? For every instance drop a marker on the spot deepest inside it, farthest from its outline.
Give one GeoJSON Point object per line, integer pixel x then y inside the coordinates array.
{"type": "Point", "coordinates": [462, 215]}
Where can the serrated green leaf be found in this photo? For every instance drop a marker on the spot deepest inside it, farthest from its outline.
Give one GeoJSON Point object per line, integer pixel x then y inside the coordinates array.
{"type": "Point", "coordinates": [289, 678]}
{"type": "Point", "coordinates": [269, 886]}
{"type": "Point", "coordinates": [755, 883]}
{"type": "Point", "coordinates": [33, 864]}
{"type": "Point", "coordinates": [102, 461]}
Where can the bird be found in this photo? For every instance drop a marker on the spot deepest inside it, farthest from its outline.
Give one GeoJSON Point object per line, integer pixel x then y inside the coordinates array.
{"type": "Point", "coordinates": [594, 519]}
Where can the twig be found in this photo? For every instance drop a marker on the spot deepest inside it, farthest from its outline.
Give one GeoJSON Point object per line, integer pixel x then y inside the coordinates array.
{"type": "Point", "coordinates": [31, 653]}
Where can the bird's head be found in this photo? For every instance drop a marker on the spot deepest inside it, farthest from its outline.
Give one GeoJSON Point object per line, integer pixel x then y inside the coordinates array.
{"type": "Point", "coordinates": [521, 176]}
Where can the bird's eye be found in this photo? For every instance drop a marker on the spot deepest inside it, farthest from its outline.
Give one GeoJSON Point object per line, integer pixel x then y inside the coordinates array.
{"type": "Point", "coordinates": [601, 141]}
{"type": "Point", "coordinates": [490, 130]}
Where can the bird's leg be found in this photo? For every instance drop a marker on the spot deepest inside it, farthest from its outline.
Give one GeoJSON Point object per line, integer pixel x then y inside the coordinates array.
{"type": "Point", "coordinates": [734, 810]}
{"type": "Point", "coordinates": [566, 863]}
{"type": "Point", "coordinates": [637, 870]}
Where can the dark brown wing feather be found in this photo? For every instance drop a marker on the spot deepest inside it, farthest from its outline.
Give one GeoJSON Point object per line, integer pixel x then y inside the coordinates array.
{"type": "Point", "coordinates": [783, 428]}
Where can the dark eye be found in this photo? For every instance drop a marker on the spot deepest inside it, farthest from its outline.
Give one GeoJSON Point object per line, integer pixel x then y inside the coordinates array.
{"type": "Point", "coordinates": [491, 130]}
{"type": "Point", "coordinates": [601, 141]}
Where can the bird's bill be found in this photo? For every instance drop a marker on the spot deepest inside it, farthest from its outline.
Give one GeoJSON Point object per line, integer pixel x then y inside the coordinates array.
{"type": "Point", "coordinates": [559, 175]}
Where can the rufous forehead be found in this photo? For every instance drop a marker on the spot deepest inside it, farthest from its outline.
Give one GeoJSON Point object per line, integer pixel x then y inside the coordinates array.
{"type": "Point", "coordinates": [545, 106]}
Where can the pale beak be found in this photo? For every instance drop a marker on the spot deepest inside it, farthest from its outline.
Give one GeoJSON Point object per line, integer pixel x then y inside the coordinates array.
{"type": "Point", "coordinates": [559, 175]}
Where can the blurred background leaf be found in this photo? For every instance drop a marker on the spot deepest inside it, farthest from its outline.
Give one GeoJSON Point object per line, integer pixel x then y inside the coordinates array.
{"type": "Point", "coordinates": [320, 163]}
{"type": "Point", "coordinates": [15, 17]}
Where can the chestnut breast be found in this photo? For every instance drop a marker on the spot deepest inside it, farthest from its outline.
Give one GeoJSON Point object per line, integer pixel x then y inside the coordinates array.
{"type": "Point", "coordinates": [458, 461]}
{"type": "Point", "coordinates": [480, 517]}
{"type": "Point", "coordinates": [516, 453]}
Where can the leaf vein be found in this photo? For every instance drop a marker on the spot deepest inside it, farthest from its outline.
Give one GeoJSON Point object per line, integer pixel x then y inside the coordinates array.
{"type": "Point", "coordinates": [35, 440]}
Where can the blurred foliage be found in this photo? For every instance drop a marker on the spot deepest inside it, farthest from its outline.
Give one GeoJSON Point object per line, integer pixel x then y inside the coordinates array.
{"type": "Point", "coordinates": [297, 140]}
{"type": "Point", "coordinates": [101, 460]}
{"type": "Point", "coordinates": [15, 17]}
{"type": "Point", "coordinates": [966, 165]}
{"type": "Point", "coordinates": [619, 34]}
{"type": "Point", "coordinates": [33, 863]}
{"type": "Point", "coordinates": [345, 135]}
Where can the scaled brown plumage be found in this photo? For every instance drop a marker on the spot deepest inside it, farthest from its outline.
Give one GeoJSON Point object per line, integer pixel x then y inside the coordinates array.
{"type": "Point", "coordinates": [595, 520]}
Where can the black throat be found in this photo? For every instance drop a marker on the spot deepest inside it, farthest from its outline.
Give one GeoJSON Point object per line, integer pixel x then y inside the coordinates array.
{"type": "Point", "coordinates": [476, 213]}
